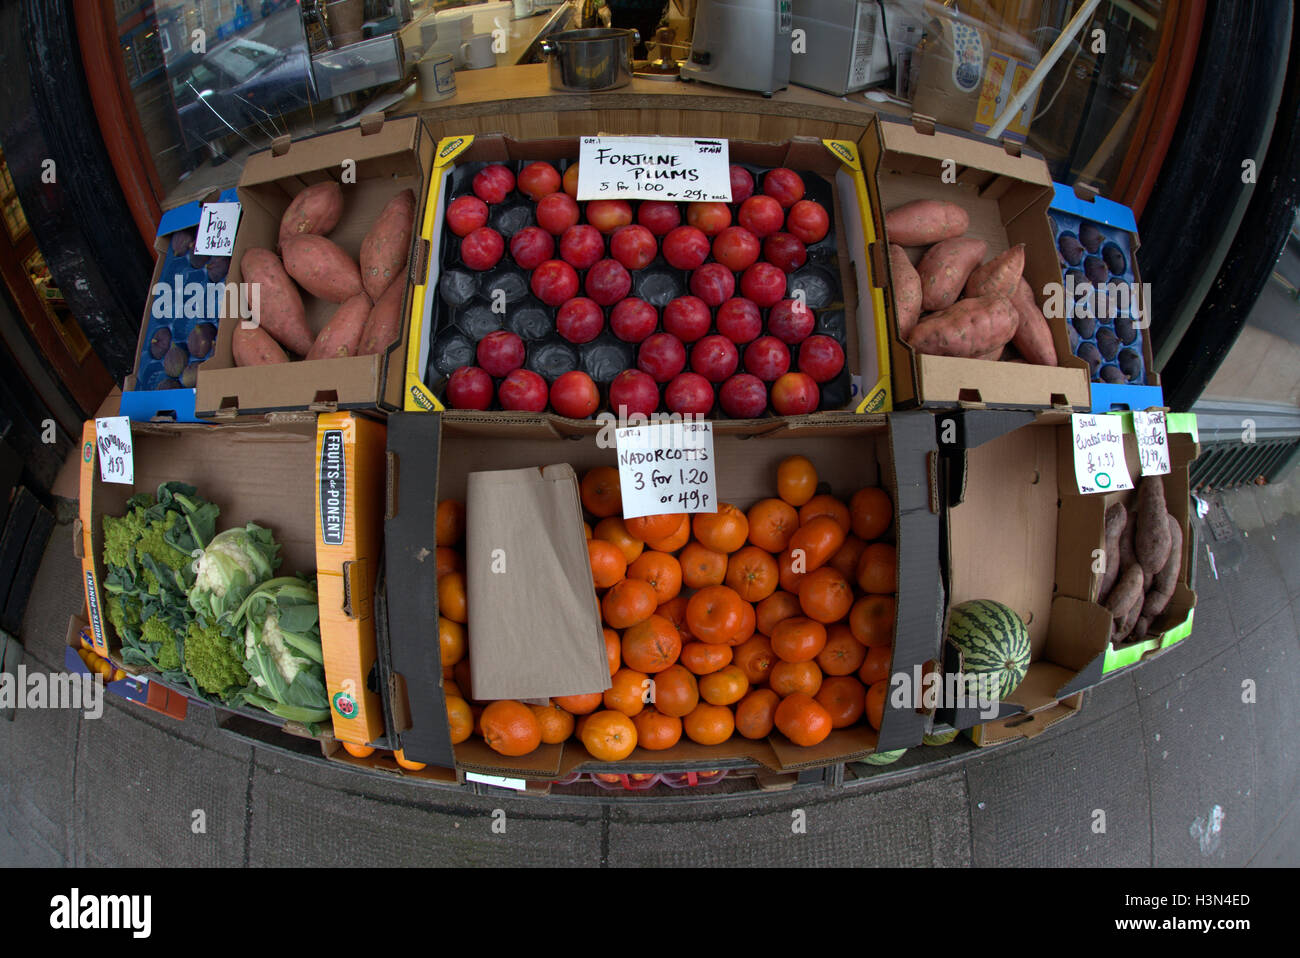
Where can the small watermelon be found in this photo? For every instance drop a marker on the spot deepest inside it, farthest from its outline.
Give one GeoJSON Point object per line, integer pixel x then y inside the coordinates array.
{"type": "Point", "coordinates": [943, 738]}
{"type": "Point", "coordinates": [993, 640]}
{"type": "Point", "coordinates": [884, 758]}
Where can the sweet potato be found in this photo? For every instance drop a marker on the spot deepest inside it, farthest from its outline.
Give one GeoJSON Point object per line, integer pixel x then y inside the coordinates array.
{"type": "Point", "coordinates": [907, 290]}
{"type": "Point", "coordinates": [922, 222]}
{"type": "Point", "coordinates": [342, 334]}
{"type": "Point", "coordinates": [969, 327]}
{"type": "Point", "coordinates": [316, 209]}
{"type": "Point", "coordinates": [1116, 520]}
{"type": "Point", "coordinates": [321, 267]}
{"type": "Point", "coordinates": [278, 307]}
{"type": "Point", "coordinates": [1123, 628]}
{"type": "Point", "coordinates": [385, 322]}
{"type": "Point", "coordinates": [993, 355]}
{"type": "Point", "coordinates": [1033, 335]}
{"type": "Point", "coordinates": [1127, 554]}
{"type": "Point", "coordinates": [1152, 542]}
{"type": "Point", "coordinates": [255, 347]}
{"type": "Point", "coordinates": [1166, 580]}
{"type": "Point", "coordinates": [998, 275]}
{"type": "Point", "coordinates": [387, 246]}
{"type": "Point", "coordinates": [944, 269]}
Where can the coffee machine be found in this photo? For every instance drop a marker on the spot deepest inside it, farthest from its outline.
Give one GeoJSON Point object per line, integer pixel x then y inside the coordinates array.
{"type": "Point", "coordinates": [743, 44]}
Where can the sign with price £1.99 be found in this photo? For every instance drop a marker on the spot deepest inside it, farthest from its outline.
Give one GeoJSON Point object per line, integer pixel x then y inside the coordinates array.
{"type": "Point", "coordinates": [674, 169]}
{"type": "Point", "coordinates": [666, 467]}
{"type": "Point", "coordinates": [1099, 462]}
{"type": "Point", "coordinates": [1153, 442]}
{"type": "Point", "coordinates": [113, 446]}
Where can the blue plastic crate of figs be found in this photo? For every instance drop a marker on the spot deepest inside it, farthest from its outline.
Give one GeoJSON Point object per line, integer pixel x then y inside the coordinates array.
{"type": "Point", "coordinates": [602, 288]}
{"type": "Point", "coordinates": [1106, 302]}
{"type": "Point", "coordinates": [180, 326]}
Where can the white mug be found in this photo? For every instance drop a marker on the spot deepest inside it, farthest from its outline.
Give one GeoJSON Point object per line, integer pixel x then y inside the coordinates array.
{"type": "Point", "coordinates": [476, 52]}
{"type": "Point", "coordinates": [523, 8]}
{"type": "Point", "coordinates": [437, 77]}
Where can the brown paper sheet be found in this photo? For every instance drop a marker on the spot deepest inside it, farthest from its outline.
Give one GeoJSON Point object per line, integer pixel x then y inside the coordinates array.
{"type": "Point", "coordinates": [534, 628]}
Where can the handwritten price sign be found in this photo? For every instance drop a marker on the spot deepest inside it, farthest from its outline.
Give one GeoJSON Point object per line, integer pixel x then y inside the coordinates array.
{"type": "Point", "coordinates": [669, 168]}
{"type": "Point", "coordinates": [113, 445]}
{"type": "Point", "coordinates": [666, 467]}
{"type": "Point", "coordinates": [217, 225]}
{"type": "Point", "coordinates": [1153, 442]}
{"type": "Point", "coordinates": [1099, 463]}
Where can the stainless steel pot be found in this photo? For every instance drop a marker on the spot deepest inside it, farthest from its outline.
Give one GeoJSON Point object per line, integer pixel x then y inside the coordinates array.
{"type": "Point", "coordinates": [585, 60]}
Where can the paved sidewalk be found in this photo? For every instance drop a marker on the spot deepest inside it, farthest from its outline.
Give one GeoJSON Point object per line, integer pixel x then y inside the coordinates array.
{"type": "Point", "coordinates": [1180, 767]}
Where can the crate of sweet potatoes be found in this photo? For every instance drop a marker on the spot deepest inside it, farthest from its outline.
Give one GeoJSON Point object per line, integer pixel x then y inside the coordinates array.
{"type": "Point", "coordinates": [965, 240]}
{"type": "Point", "coordinates": [328, 239]}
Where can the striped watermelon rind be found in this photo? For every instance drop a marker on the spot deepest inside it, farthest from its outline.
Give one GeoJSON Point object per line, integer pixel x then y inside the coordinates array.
{"type": "Point", "coordinates": [943, 738]}
{"type": "Point", "coordinates": [884, 758]}
{"type": "Point", "coordinates": [993, 640]}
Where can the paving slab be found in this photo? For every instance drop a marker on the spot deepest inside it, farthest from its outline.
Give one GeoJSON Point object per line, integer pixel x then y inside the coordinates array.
{"type": "Point", "coordinates": [923, 824]}
{"type": "Point", "coordinates": [1270, 661]}
{"type": "Point", "coordinates": [1078, 799]}
{"type": "Point", "coordinates": [301, 814]}
{"type": "Point", "coordinates": [148, 798]}
{"type": "Point", "coordinates": [1201, 765]}
{"type": "Point", "coordinates": [1282, 848]}
{"type": "Point", "coordinates": [38, 752]}
{"type": "Point", "coordinates": [1253, 585]}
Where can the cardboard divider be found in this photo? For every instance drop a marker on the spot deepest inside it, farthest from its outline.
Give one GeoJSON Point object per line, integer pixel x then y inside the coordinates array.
{"type": "Point", "coordinates": [1007, 197]}
{"type": "Point", "coordinates": [349, 500]}
{"type": "Point", "coordinates": [836, 161]}
{"type": "Point", "coordinates": [431, 456]}
{"type": "Point", "coordinates": [1019, 532]}
{"type": "Point", "coordinates": [372, 167]}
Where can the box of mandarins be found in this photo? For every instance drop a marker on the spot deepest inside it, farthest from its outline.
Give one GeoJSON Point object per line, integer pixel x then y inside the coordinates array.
{"type": "Point", "coordinates": [781, 629]}
{"type": "Point", "coordinates": [744, 303]}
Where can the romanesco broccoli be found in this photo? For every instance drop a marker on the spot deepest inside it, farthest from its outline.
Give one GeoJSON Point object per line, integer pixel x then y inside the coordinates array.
{"type": "Point", "coordinates": [120, 533]}
{"type": "Point", "coordinates": [151, 543]}
{"type": "Point", "coordinates": [155, 630]}
{"type": "Point", "coordinates": [124, 613]}
{"type": "Point", "coordinates": [214, 661]}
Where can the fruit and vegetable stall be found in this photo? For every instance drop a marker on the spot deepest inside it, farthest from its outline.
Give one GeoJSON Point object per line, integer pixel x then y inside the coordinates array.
{"type": "Point", "coordinates": [756, 465]}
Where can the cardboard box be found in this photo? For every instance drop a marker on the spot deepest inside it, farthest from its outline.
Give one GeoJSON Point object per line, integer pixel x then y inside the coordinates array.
{"type": "Point", "coordinates": [1072, 208]}
{"type": "Point", "coordinates": [385, 157]}
{"type": "Point", "coordinates": [179, 279]}
{"type": "Point", "coordinates": [430, 457]}
{"type": "Point", "coordinates": [1019, 532]}
{"type": "Point", "coordinates": [1175, 623]}
{"type": "Point", "coordinates": [835, 161]}
{"type": "Point", "coordinates": [349, 548]}
{"type": "Point", "coordinates": [133, 688]}
{"type": "Point", "coordinates": [1007, 195]}
{"type": "Point", "coordinates": [255, 471]}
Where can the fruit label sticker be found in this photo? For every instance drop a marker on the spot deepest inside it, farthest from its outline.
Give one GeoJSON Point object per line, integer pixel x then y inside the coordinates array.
{"type": "Point", "coordinates": [669, 168]}
{"type": "Point", "coordinates": [1099, 463]}
{"type": "Point", "coordinates": [113, 442]}
{"type": "Point", "coordinates": [667, 467]}
{"type": "Point", "coordinates": [1153, 442]}
{"type": "Point", "coordinates": [217, 225]}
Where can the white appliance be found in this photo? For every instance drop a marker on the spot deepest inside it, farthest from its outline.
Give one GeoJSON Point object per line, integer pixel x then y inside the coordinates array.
{"type": "Point", "coordinates": [741, 43]}
{"type": "Point", "coordinates": [844, 48]}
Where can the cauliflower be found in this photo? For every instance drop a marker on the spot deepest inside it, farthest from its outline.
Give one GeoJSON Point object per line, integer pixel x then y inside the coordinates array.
{"type": "Point", "coordinates": [231, 566]}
